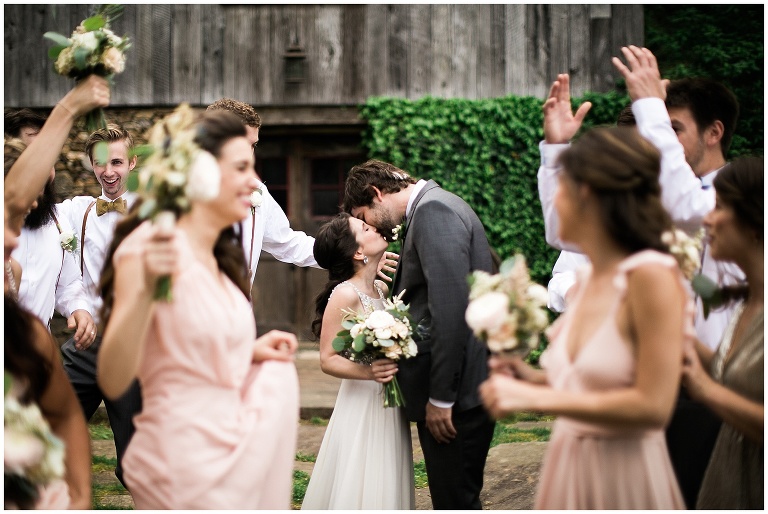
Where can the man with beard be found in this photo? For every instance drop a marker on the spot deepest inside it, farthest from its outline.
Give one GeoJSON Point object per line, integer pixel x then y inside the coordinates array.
{"type": "Point", "coordinates": [50, 278]}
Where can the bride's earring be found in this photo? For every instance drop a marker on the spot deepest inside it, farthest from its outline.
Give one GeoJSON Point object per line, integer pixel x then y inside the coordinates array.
{"type": "Point", "coordinates": [365, 259]}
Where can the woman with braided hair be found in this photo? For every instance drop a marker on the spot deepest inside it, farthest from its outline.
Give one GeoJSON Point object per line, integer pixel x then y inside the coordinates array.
{"type": "Point", "coordinates": [612, 369]}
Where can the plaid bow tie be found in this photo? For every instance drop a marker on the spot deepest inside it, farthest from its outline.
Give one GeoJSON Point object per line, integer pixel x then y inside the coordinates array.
{"type": "Point", "coordinates": [103, 206]}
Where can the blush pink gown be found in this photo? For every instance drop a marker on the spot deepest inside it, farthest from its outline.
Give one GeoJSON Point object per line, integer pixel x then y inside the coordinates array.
{"type": "Point", "coordinates": [597, 466]}
{"type": "Point", "coordinates": [216, 431]}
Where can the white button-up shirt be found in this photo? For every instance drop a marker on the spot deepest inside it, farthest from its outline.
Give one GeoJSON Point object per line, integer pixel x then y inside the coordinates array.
{"type": "Point", "coordinates": [681, 194]}
{"type": "Point", "coordinates": [50, 277]}
{"type": "Point", "coordinates": [99, 231]}
{"type": "Point", "coordinates": [268, 229]}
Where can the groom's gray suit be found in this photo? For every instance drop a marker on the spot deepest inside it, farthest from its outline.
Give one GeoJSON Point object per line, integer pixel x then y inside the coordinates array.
{"type": "Point", "coordinates": [444, 242]}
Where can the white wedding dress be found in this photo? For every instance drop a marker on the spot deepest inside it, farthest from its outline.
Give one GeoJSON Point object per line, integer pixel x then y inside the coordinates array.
{"type": "Point", "coordinates": [365, 460]}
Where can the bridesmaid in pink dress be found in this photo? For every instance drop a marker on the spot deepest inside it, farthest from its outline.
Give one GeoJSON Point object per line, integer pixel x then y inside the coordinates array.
{"type": "Point", "coordinates": [220, 407]}
{"type": "Point", "coordinates": [612, 369]}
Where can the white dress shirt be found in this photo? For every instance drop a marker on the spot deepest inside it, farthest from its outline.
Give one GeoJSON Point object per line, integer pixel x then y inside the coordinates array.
{"type": "Point", "coordinates": [99, 231]}
{"type": "Point", "coordinates": [272, 233]}
{"type": "Point", "coordinates": [682, 194]}
{"type": "Point", "coordinates": [50, 277]}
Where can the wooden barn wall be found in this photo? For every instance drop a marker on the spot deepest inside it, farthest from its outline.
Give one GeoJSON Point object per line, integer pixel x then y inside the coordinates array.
{"type": "Point", "coordinates": [199, 53]}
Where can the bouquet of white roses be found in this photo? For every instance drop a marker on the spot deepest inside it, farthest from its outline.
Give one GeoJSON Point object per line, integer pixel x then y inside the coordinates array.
{"type": "Point", "coordinates": [507, 310]}
{"type": "Point", "coordinates": [386, 333]}
{"type": "Point", "coordinates": [176, 172]}
{"type": "Point", "coordinates": [33, 456]}
{"type": "Point", "coordinates": [92, 49]}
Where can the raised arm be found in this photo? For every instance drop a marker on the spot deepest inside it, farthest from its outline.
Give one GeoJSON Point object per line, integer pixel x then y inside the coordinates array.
{"type": "Point", "coordinates": [560, 125]}
{"type": "Point", "coordinates": [133, 308]}
{"type": "Point", "coordinates": [681, 192]}
{"type": "Point", "coordinates": [29, 174]}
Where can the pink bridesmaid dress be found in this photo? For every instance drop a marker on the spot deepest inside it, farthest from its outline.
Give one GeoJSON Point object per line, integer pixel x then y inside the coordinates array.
{"type": "Point", "coordinates": [599, 466]}
{"type": "Point", "coordinates": [216, 431]}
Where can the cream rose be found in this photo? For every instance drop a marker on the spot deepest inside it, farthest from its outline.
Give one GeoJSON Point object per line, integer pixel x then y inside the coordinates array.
{"type": "Point", "coordinates": [538, 294]}
{"type": "Point", "coordinates": [383, 333]}
{"type": "Point", "coordinates": [487, 313]}
{"type": "Point", "coordinates": [113, 60]}
{"type": "Point", "coordinates": [204, 178]}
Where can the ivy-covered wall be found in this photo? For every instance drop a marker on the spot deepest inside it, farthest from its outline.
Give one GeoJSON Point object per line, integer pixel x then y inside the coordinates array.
{"type": "Point", "coordinates": [485, 151]}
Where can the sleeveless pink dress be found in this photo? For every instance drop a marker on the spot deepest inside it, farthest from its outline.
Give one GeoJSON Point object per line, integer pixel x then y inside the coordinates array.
{"type": "Point", "coordinates": [216, 431]}
{"type": "Point", "coordinates": [591, 465]}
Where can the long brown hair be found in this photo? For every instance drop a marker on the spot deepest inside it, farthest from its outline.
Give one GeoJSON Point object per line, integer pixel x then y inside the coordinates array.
{"type": "Point", "coordinates": [335, 247]}
{"type": "Point", "coordinates": [622, 170]}
{"type": "Point", "coordinates": [214, 129]}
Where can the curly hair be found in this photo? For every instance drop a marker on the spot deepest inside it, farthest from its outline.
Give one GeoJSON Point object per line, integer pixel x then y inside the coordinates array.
{"type": "Point", "coordinates": [335, 245]}
{"type": "Point", "coordinates": [246, 113]}
{"type": "Point", "coordinates": [622, 170]}
{"type": "Point", "coordinates": [358, 188]}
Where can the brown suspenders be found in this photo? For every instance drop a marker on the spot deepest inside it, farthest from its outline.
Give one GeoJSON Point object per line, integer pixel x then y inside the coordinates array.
{"type": "Point", "coordinates": [82, 236]}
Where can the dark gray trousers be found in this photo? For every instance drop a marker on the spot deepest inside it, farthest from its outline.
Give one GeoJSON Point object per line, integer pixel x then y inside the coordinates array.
{"type": "Point", "coordinates": [80, 366]}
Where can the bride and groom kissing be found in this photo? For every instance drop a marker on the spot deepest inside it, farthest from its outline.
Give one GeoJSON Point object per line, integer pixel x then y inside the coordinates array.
{"type": "Point", "coordinates": [365, 460]}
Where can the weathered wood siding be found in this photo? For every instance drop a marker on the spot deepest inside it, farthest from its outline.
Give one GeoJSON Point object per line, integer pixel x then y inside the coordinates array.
{"type": "Point", "coordinates": [198, 53]}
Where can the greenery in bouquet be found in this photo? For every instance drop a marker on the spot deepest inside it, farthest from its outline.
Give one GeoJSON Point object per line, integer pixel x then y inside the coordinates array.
{"type": "Point", "coordinates": [175, 171]}
{"type": "Point", "coordinates": [386, 333]}
{"type": "Point", "coordinates": [507, 311]}
{"type": "Point", "coordinates": [92, 49]}
{"type": "Point", "coordinates": [33, 455]}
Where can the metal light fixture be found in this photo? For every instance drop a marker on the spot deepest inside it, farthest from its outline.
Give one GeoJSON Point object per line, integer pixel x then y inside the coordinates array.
{"type": "Point", "coordinates": [295, 64]}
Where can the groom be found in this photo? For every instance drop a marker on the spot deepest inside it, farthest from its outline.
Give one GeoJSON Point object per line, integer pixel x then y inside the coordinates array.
{"type": "Point", "coordinates": [443, 243]}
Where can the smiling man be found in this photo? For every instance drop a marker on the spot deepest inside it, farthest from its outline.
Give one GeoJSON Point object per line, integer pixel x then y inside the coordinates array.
{"type": "Point", "coordinates": [94, 221]}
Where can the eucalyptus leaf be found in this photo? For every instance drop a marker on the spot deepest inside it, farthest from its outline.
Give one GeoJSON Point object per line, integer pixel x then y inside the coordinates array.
{"type": "Point", "coordinates": [704, 286]}
{"type": "Point", "coordinates": [342, 333]}
{"type": "Point", "coordinates": [58, 39]}
{"type": "Point", "coordinates": [7, 380]}
{"type": "Point", "coordinates": [94, 23]}
{"type": "Point", "coordinates": [507, 265]}
{"type": "Point", "coordinates": [81, 58]}
{"type": "Point", "coordinates": [101, 153]}
{"type": "Point", "coordinates": [54, 51]}
{"type": "Point", "coordinates": [132, 182]}
{"type": "Point", "coordinates": [147, 208]}
{"type": "Point", "coordinates": [339, 344]}
{"type": "Point", "coordinates": [359, 343]}
{"type": "Point", "coordinates": [386, 343]}
{"type": "Point", "coordinates": [348, 324]}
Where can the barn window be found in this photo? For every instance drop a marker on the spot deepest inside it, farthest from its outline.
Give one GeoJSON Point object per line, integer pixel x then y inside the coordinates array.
{"type": "Point", "coordinates": [274, 173]}
{"type": "Point", "coordinates": [327, 183]}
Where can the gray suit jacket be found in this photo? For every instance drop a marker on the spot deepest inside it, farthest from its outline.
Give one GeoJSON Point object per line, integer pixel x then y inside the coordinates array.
{"type": "Point", "coordinates": [444, 242]}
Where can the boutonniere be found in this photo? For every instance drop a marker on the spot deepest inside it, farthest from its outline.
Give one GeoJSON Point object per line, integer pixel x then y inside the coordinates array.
{"type": "Point", "coordinates": [398, 233]}
{"type": "Point", "coordinates": [256, 198]}
{"type": "Point", "coordinates": [710, 293]}
{"type": "Point", "coordinates": [67, 240]}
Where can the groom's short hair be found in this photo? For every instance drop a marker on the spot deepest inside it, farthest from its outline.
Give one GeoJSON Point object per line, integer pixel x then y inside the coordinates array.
{"type": "Point", "coordinates": [358, 189]}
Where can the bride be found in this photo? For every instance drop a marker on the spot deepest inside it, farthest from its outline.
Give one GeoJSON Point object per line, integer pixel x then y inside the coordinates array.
{"type": "Point", "coordinates": [365, 459]}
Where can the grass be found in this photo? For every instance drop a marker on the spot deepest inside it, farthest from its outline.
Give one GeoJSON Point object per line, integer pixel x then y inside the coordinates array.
{"type": "Point", "coordinates": [317, 420]}
{"type": "Point", "coordinates": [509, 434]}
{"type": "Point", "coordinates": [100, 432]}
{"type": "Point", "coordinates": [300, 482]}
{"type": "Point", "coordinates": [306, 457]}
{"type": "Point", "coordinates": [420, 474]}
{"type": "Point", "coordinates": [99, 463]}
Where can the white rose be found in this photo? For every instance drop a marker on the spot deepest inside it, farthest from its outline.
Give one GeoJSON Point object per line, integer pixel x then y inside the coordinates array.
{"type": "Point", "coordinates": [383, 333]}
{"type": "Point", "coordinates": [400, 330]}
{"type": "Point", "coordinates": [87, 41]}
{"type": "Point", "coordinates": [379, 319]}
{"type": "Point", "coordinates": [487, 313]}
{"type": "Point", "coordinates": [175, 178]}
{"type": "Point", "coordinates": [256, 198]}
{"type": "Point", "coordinates": [204, 178]}
{"type": "Point", "coordinates": [539, 319]}
{"type": "Point", "coordinates": [412, 348]}
{"type": "Point", "coordinates": [355, 330]}
{"type": "Point", "coordinates": [66, 236]}
{"type": "Point", "coordinates": [538, 294]}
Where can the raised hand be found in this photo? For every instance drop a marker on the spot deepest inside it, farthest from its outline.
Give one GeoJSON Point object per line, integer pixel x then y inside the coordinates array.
{"type": "Point", "coordinates": [90, 93]}
{"type": "Point", "coordinates": [502, 395]}
{"type": "Point", "coordinates": [642, 75]}
{"type": "Point", "coordinates": [388, 263]}
{"type": "Point", "coordinates": [159, 256]}
{"type": "Point", "coordinates": [560, 123]}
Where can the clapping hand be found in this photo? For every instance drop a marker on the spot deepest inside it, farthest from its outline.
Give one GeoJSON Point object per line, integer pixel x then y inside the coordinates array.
{"type": "Point", "coordinates": [642, 75]}
{"type": "Point", "coordinates": [275, 345]}
{"type": "Point", "coordinates": [560, 123]}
